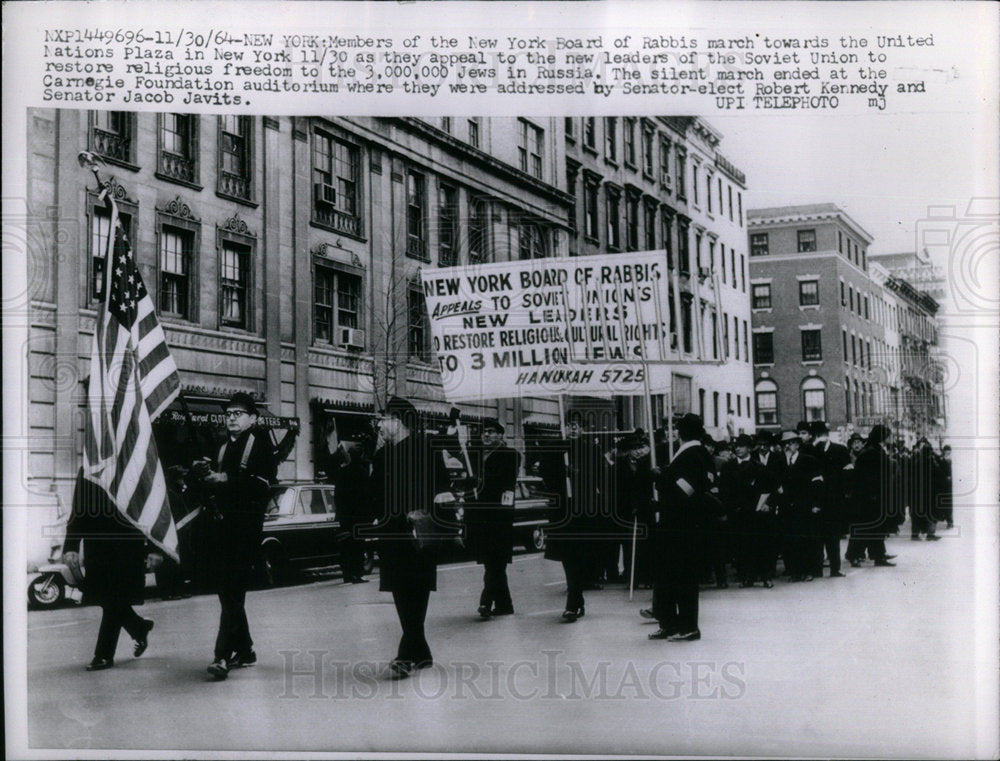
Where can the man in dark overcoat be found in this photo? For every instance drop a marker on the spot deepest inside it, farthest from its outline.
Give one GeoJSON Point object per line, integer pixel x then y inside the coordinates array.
{"type": "Point", "coordinates": [579, 475]}
{"type": "Point", "coordinates": [403, 481]}
{"type": "Point", "coordinates": [241, 482]}
{"type": "Point", "coordinates": [115, 554]}
{"type": "Point", "coordinates": [876, 509]}
{"type": "Point", "coordinates": [489, 517]}
{"type": "Point", "coordinates": [801, 495]}
{"type": "Point", "coordinates": [832, 458]}
{"type": "Point", "coordinates": [741, 488]}
{"type": "Point", "coordinates": [348, 468]}
{"type": "Point", "coordinates": [683, 486]}
{"type": "Point", "coordinates": [773, 464]}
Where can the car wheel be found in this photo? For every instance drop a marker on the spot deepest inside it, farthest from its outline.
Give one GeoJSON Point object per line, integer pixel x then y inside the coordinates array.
{"type": "Point", "coordinates": [538, 538]}
{"type": "Point", "coordinates": [46, 591]}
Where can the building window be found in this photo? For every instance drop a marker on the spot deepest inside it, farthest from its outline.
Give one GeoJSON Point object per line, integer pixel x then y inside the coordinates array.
{"type": "Point", "coordinates": [569, 125]}
{"type": "Point", "coordinates": [808, 293]}
{"type": "Point", "coordinates": [529, 148]}
{"type": "Point", "coordinates": [866, 307]}
{"type": "Point", "coordinates": [648, 145]}
{"type": "Point", "coordinates": [806, 240]}
{"type": "Point", "coordinates": [840, 241]}
{"type": "Point", "coordinates": [729, 189]}
{"type": "Point", "coordinates": [611, 138]}
{"type": "Point", "coordinates": [178, 148]}
{"type": "Point", "coordinates": [336, 303]}
{"type": "Point", "coordinates": [739, 406]}
{"type": "Point", "coordinates": [632, 221]}
{"type": "Point", "coordinates": [766, 397]}
{"type": "Point", "coordinates": [473, 124]}
{"type": "Point", "coordinates": [813, 399]}
{"type": "Point", "coordinates": [686, 322]}
{"type": "Point", "coordinates": [720, 195]}
{"type": "Point", "coordinates": [761, 295]}
{"type": "Point", "coordinates": [649, 224]}
{"type": "Point", "coordinates": [708, 192]}
{"type": "Point", "coordinates": [447, 225]}
{"type": "Point", "coordinates": [684, 254]}
{"type": "Point", "coordinates": [763, 348]}
{"type": "Point", "coordinates": [715, 408]}
{"type": "Point", "coordinates": [530, 241]}
{"type": "Point", "coordinates": [681, 170]}
{"type": "Point", "coordinates": [736, 337]}
{"type": "Point", "coordinates": [732, 265]}
{"type": "Point", "coordinates": [743, 274]}
{"type": "Point", "coordinates": [746, 343]}
{"type": "Point", "coordinates": [336, 184]}
{"type": "Point", "coordinates": [739, 198]}
{"type": "Point", "coordinates": [479, 246]}
{"type": "Point", "coordinates": [613, 201]}
{"type": "Point", "coordinates": [843, 295]}
{"type": "Point", "coordinates": [591, 225]}
{"type": "Point", "coordinates": [666, 156]}
{"type": "Point", "coordinates": [100, 237]}
{"type": "Point", "coordinates": [629, 126]}
{"type": "Point", "coordinates": [446, 124]}
{"type": "Point", "coordinates": [112, 135]}
{"type": "Point", "coordinates": [418, 345]}
{"type": "Point", "coordinates": [590, 133]}
{"type": "Point", "coordinates": [235, 157]}
{"type": "Point", "coordinates": [715, 335]}
{"type": "Point", "coordinates": [812, 350]}
{"type": "Point", "coordinates": [725, 335]}
{"type": "Point", "coordinates": [694, 182]}
{"type": "Point", "coordinates": [416, 214]}
{"type": "Point", "coordinates": [666, 231]}
{"type": "Point", "coordinates": [851, 300]}
{"type": "Point", "coordinates": [234, 277]}
{"type": "Point", "coordinates": [854, 350]}
{"type": "Point", "coordinates": [758, 244]}
{"type": "Point", "coordinates": [843, 334]}
{"type": "Point", "coordinates": [176, 254]}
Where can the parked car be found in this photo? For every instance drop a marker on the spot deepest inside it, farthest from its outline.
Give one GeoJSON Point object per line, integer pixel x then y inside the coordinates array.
{"type": "Point", "coordinates": [533, 507]}
{"type": "Point", "coordinates": [301, 531]}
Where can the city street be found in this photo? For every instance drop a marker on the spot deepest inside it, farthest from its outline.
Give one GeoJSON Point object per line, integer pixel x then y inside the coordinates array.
{"type": "Point", "coordinates": [880, 663]}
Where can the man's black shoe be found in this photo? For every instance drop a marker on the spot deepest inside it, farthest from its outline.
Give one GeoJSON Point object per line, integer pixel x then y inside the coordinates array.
{"type": "Point", "coordinates": [933, 538]}
{"type": "Point", "coordinates": [647, 613]}
{"type": "Point", "coordinates": [359, 580]}
{"type": "Point", "coordinates": [883, 562]}
{"type": "Point", "coordinates": [218, 669]}
{"type": "Point", "coordinates": [661, 634]}
{"type": "Point", "coordinates": [243, 660]}
{"type": "Point", "coordinates": [686, 636]}
{"type": "Point", "coordinates": [400, 669]}
{"type": "Point", "coordinates": [507, 611]}
{"type": "Point", "coordinates": [888, 557]}
{"type": "Point", "coordinates": [484, 611]}
{"type": "Point", "coordinates": [99, 664]}
{"type": "Point", "coordinates": [426, 663]}
{"type": "Point", "coordinates": [570, 615]}
{"type": "Point", "coordinates": [835, 574]}
{"type": "Point", "coordinates": [142, 642]}
{"type": "Point", "coordinates": [854, 563]}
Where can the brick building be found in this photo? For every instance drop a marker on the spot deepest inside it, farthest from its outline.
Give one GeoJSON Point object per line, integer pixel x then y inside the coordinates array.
{"type": "Point", "coordinates": [815, 334]}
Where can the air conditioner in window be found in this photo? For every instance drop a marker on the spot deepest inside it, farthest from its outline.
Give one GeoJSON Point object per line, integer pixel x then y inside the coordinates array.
{"type": "Point", "coordinates": [352, 338]}
{"type": "Point", "coordinates": [704, 273]}
{"type": "Point", "coordinates": [326, 193]}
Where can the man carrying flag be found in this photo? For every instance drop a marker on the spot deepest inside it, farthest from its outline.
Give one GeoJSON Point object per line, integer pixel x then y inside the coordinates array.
{"type": "Point", "coordinates": [132, 380]}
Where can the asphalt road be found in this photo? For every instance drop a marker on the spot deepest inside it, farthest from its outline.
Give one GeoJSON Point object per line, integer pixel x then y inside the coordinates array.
{"type": "Point", "coordinates": [879, 663]}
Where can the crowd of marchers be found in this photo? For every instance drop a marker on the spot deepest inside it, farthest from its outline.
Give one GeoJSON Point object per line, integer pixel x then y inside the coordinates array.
{"type": "Point", "coordinates": [670, 517]}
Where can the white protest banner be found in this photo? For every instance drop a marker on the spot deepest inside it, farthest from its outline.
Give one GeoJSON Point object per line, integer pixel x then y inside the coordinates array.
{"type": "Point", "coordinates": [581, 325]}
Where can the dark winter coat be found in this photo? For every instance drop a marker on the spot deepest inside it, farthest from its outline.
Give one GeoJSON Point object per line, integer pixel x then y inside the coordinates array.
{"type": "Point", "coordinates": [580, 516]}
{"type": "Point", "coordinates": [832, 459]}
{"type": "Point", "coordinates": [114, 551]}
{"type": "Point", "coordinates": [490, 523]}
{"type": "Point", "coordinates": [876, 509]}
{"type": "Point", "coordinates": [403, 480]}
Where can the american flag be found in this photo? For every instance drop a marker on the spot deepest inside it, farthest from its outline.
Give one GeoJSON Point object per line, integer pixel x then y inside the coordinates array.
{"type": "Point", "coordinates": [133, 379]}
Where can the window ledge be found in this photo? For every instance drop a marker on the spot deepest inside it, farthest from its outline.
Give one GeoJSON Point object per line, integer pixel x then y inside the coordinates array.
{"type": "Point", "coordinates": [809, 307]}
{"type": "Point", "coordinates": [330, 228]}
{"type": "Point", "coordinates": [238, 199]}
{"type": "Point", "coordinates": [812, 362]}
{"type": "Point", "coordinates": [185, 183]}
{"type": "Point", "coordinates": [119, 162]}
{"type": "Point", "coordinates": [762, 310]}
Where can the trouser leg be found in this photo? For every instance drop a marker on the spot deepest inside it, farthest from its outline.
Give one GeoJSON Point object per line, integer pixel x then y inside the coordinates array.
{"type": "Point", "coordinates": [576, 571]}
{"type": "Point", "coordinates": [107, 634]}
{"type": "Point", "coordinates": [411, 608]}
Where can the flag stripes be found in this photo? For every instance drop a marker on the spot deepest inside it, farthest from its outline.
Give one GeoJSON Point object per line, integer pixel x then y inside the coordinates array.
{"type": "Point", "coordinates": [133, 379]}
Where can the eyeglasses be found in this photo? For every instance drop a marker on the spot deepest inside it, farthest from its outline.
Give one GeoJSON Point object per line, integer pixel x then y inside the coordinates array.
{"type": "Point", "coordinates": [233, 414]}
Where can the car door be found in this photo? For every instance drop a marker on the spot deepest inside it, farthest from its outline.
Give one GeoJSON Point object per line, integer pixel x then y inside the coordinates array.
{"type": "Point", "coordinates": [305, 543]}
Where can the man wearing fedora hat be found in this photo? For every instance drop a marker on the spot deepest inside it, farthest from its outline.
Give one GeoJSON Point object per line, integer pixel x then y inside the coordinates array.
{"type": "Point", "coordinates": [742, 481]}
{"type": "Point", "coordinates": [683, 486]}
{"type": "Point", "coordinates": [489, 517]}
{"type": "Point", "coordinates": [875, 511]}
{"type": "Point", "coordinates": [241, 482]}
{"type": "Point", "coordinates": [801, 490]}
{"type": "Point", "coordinates": [832, 459]}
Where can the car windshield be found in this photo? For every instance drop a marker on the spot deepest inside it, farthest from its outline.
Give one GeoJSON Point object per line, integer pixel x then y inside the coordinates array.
{"type": "Point", "coordinates": [282, 501]}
